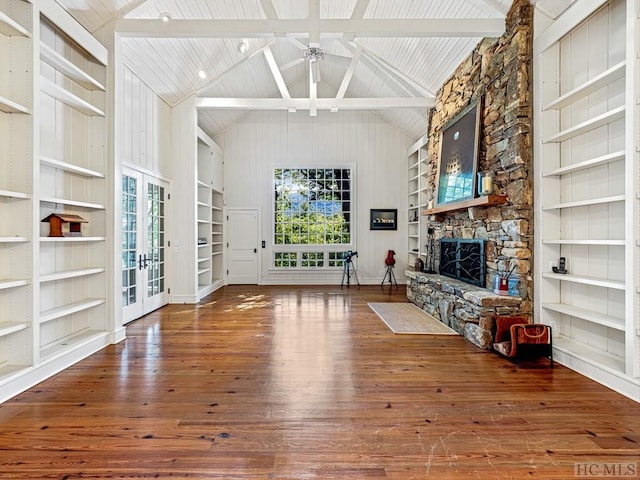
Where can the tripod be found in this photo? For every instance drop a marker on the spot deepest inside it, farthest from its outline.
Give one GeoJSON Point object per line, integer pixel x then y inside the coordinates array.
{"type": "Point", "coordinates": [346, 271]}
{"type": "Point", "coordinates": [392, 277]}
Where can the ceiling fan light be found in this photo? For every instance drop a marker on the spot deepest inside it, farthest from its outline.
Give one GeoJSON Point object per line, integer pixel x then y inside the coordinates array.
{"type": "Point", "coordinates": [165, 17]}
{"type": "Point", "coordinates": [202, 74]}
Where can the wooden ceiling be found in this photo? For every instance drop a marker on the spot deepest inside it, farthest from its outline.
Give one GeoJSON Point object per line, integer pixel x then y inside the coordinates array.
{"type": "Point", "coordinates": [390, 56]}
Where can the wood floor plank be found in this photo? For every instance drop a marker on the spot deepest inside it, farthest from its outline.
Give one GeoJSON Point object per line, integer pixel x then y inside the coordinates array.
{"type": "Point", "coordinates": [307, 382]}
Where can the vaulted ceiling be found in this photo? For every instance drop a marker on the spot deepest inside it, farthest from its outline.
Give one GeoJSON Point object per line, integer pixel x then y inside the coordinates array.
{"type": "Point", "coordinates": [316, 56]}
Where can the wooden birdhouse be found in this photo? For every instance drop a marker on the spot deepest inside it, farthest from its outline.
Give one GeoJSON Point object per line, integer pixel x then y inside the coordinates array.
{"type": "Point", "coordinates": [57, 220]}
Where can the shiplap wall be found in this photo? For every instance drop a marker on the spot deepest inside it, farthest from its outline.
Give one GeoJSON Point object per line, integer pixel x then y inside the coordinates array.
{"type": "Point", "coordinates": [146, 127]}
{"type": "Point", "coordinates": [377, 152]}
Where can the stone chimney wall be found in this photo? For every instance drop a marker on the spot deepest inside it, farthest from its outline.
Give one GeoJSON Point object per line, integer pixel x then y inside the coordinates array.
{"type": "Point", "coordinates": [499, 72]}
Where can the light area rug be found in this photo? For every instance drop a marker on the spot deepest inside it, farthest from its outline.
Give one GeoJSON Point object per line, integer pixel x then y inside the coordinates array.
{"type": "Point", "coordinates": [407, 318]}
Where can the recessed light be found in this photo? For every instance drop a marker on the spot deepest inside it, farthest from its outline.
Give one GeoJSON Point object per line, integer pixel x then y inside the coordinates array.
{"type": "Point", "coordinates": [202, 74]}
{"type": "Point", "coordinates": [165, 17]}
{"type": "Point", "coordinates": [243, 47]}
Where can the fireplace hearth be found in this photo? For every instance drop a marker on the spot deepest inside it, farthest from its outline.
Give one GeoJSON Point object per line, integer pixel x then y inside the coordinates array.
{"type": "Point", "coordinates": [463, 259]}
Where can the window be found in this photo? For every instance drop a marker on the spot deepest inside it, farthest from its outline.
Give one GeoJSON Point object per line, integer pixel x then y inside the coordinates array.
{"type": "Point", "coordinates": [312, 207]}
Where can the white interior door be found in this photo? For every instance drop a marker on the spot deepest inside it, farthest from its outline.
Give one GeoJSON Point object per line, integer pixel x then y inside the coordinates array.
{"type": "Point", "coordinates": [242, 246]}
{"type": "Point", "coordinates": [144, 249]}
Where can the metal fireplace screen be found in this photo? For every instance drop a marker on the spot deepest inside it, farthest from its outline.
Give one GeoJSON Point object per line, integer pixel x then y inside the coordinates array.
{"type": "Point", "coordinates": [463, 260]}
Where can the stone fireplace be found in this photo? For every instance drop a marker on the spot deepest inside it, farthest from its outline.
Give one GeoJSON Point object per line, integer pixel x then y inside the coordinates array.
{"type": "Point", "coordinates": [499, 71]}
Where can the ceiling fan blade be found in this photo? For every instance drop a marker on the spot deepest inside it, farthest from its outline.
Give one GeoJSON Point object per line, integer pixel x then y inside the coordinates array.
{"type": "Point", "coordinates": [291, 64]}
{"type": "Point", "coordinates": [297, 43]}
{"type": "Point", "coordinates": [338, 59]}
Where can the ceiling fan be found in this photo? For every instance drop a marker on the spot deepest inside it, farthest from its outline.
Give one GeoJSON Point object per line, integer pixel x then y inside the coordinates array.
{"type": "Point", "coordinates": [312, 53]}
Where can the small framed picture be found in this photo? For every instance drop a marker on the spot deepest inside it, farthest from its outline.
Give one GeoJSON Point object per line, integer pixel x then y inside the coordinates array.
{"type": "Point", "coordinates": [383, 219]}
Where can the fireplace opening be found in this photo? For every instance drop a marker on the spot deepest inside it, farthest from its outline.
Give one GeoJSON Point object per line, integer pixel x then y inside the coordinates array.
{"type": "Point", "coordinates": [463, 259]}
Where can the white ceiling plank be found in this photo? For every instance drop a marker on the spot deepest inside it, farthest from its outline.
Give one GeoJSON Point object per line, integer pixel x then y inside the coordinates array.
{"type": "Point", "coordinates": [269, 9]}
{"type": "Point", "coordinates": [275, 71]}
{"type": "Point", "coordinates": [348, 75]}
{"type": "Point", "coordinates": [491, 6]}
{"type": "Point", "coordinates": [329, 28]}
{"type": "Point", "coordinates": [306, 103]}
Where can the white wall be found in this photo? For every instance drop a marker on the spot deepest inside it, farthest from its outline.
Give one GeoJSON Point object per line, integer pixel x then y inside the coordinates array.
{"type": "Point", "coordinates": [146, 127]}
{"type": "Point", "coordinates": [377, 151]}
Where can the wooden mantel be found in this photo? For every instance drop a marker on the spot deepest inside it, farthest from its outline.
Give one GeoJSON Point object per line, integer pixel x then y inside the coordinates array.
{"type": "Point", "coordinates": [484, 201]}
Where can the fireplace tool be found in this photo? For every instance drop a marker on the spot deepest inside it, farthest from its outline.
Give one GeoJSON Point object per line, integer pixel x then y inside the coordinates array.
{"type": "Point", "coordinates": [430, 264]}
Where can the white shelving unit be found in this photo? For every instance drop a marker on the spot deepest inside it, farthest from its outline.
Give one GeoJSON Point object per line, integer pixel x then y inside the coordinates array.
{"type": "Point", "coordinates": [586, 152]}
{"type": "Point", "coordinates": [54, 294]}
{"type": "Point", "coordinates": [209, 218]}
{"type": "Point", "coordinates": [71, 163]}
{"type": "Point", "coordinates": [16, 188]}
{"type": "Point", "coordinates": [417, 200]}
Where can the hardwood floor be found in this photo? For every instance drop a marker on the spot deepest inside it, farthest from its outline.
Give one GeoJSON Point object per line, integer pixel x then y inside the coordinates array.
{"type": "Point", "coordinates": [307, 382]}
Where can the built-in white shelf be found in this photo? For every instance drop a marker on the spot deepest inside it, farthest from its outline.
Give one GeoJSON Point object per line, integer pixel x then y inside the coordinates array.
{"type": "Point", "coordinates": [72, 203]}
{"type": "Point", "coordinates": [217, 209]}
{"type": "Point", "coordinates": [216, 233]}
{"type": "Point", "coordinates": [584, 242]}
{"type": "Point", "coordinates": [202, 184]}
{"type": "Point", "coordinates": [586, 203]}
{"type": "Point", "coordinates": [596, 282]}
{"type": "Point", "coordinates": [201, 260]}
{"type": "Point", "coordinates": [71, 239]}
{"type": "Point", "coordinates": [67, 344]}
{"type": "Point", "coordinates": [216, 223]}
{"type": "Point", "coordinates": [75, 73]}
{"type": "Point", "coordinates": [414, 178]}
{"type": "Point", "coordinates": [588, 353]}
{"type": "Point", "coordinates": [213, 254]}
{"type": "Point", "coordinates": [62, 275]}
{"type": "Point", "coordinates": [9, 106]}
{"type": "Point", "coordinates": [69, 309]}
{"type": "Point", "coordinates": [7, 328]}
{"type": "Point", "coordinates": [11, 28]}
{"type": "Point", "coordinates": [596, 83]}
{"type": "Point", "coordinates": [203, 270]}
{"type": "Point", "coordinates": [202, 221]}
{"type": "Point", "coordinates": [202, 245]}
{"type": "Point", "coordinates": [13, 239]}
{"type": "Point", "coordinates": [588, 315]}
{"type": "Point", "coordinates": [414, 236]}
{"type": "Point", "coordinates": [11, 194]}
{"type": "Point", "coordinates": [12, 283]}
{"type": "Point", "coordinates": [8, 371]}
{"type": "Point", "coordinates": [202, 204]}
{"type": "Point", "coordinates": [68, 98]}
{"type": "Point", "coordinates": [70, 167]}
{"type": "Point", "coordinates": [593, 162]}
{"type": "Point", "coordinates": [216, 243]}
{"type": "Point", "coordinates": [587, 126]}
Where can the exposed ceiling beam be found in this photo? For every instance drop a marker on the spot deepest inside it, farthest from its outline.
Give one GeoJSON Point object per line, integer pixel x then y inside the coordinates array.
{"type": "Point", "coordinates": [346, 80]}
{"type": "Point", "coordinates": [124, 12]}
{"type": "Point", "coordinates": [224, 74]}
{"type": "Point", "coordinates": [329, 28]}
{"type": "Point", "coordinates": [360, 8]}
{"type": "Point", "coordinates": [275, 71]}
{"type": "Point", "coordinates": [269, 9]}
{"type": "Point", "coordinates": [305, 103]}
{"type": "Point", "coordinates": [313, 94]}
{"type": "Point", "coordinates": [277, 74]}
{"type": "Point", "coordinates": [314, 23]}
{"type": "Point", "coordinates": [400, 78]}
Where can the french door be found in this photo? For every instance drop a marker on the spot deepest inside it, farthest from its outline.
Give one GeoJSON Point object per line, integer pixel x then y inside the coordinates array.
{"type": "Point", "coordinates": [144, 248]}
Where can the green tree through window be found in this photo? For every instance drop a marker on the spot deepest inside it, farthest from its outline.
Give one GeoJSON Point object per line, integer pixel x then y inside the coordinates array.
{"type": "Point", "coordinates": [312, 206]}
